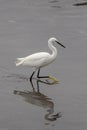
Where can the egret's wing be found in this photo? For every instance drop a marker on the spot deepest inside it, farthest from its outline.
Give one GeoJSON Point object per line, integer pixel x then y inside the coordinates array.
{"type": "Point", "coordinates": [37, 59]}
{"type": "Point", "coordinates": [37, 56]}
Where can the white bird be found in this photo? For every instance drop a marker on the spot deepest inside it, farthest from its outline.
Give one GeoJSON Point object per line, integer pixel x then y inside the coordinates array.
{"type": "Point", "coordinates": [40, 59]}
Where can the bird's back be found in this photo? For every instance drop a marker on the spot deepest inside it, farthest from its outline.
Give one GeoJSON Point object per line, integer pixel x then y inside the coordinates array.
{"type": "Point", "coordinates": [37, 56]}
{"type": "Point", "coordinates": [34, 60]}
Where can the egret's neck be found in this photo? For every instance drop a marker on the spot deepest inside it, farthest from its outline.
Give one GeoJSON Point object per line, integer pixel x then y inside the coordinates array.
{"type": "Point", "coordinates": [53, 49]}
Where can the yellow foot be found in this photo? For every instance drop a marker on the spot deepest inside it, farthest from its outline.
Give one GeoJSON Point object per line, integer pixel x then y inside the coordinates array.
{"type": "Point", "coordinates": [54, 79]}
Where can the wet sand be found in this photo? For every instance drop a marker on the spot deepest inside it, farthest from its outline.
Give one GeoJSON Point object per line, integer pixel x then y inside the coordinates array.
{"type": "Point", "coordinates": [25, 27]}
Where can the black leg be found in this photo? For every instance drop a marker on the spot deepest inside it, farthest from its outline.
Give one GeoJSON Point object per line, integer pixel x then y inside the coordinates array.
{"type": "Point", "coordinates": [38, 73]}
{"type": "Point", "coordinates": [32, 76]}
{"type": "Point", "coordinates": [41, 76]}
{"type": "Point", "coordinates": [32, 85]}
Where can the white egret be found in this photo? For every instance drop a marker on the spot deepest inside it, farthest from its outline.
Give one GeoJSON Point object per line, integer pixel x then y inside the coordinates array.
{"type": "Point", "coordinates": [40, 59]}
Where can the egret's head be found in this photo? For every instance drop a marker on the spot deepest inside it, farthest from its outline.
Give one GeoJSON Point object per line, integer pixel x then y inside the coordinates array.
{"type": "Point", "coordinates": [54, 40]}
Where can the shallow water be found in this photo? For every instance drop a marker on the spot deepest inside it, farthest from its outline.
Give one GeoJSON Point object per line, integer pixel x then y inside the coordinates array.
{"type": "Point", "coordinates": [25, 27]}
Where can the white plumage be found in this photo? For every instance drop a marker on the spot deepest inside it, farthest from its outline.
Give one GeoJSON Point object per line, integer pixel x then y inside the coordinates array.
{"type": "Point", "coordinates": [34, 60]}
{"type": "Point", "coordinates": [40, 59]}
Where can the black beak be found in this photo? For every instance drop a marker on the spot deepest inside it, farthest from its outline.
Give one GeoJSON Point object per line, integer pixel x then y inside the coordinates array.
{"type": "Point", "coordinates": [60, 44]}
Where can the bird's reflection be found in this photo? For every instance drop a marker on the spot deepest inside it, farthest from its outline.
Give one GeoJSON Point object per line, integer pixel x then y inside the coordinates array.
{"type": "Point", "coordinates": [35, 97]}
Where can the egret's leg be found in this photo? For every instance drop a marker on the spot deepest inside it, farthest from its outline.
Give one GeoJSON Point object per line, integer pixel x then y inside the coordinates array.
{"type": "Point", "coordinates": [41, 76]}
{"type": "Point", "coordinates": [32, 85]}
{"type": "Point", "coordinates": [49, 77]}
{"type": "Point", "coordinates": [32, 75]}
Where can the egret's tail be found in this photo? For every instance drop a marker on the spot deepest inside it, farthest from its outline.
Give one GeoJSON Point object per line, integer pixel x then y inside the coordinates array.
{"type": "Point", "coordinates": [19, 61]}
